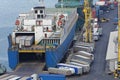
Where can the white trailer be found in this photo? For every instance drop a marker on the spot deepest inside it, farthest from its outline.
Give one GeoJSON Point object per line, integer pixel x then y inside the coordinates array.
{"type": "Point", "coordinates": [82, 58]}
{"type": "Point", "coordinates": [77, 69]}
{"type": "Point", "coordinates": [91, 45]}
{"type": "Point", "coordinates": [82, 48]}
{"type": "Point", "coordinates": [81, 62]}
{"type": "Point", "coordinates": [95, 34]}
{"type": "Point", "coordinates": [86, 67]}
{"type": "Point", "coordinates": [22, 40]}
{"type": "Point", "coordinates": [61, 70]}
{"type": "Point", "coordinates": [29, 41]}
{"type": "Point", "coordinates": [86, 54]}
{"type": "Point", "coordinates": [18, 39]}
{"type": "Point", "coordinates": [15, 78]}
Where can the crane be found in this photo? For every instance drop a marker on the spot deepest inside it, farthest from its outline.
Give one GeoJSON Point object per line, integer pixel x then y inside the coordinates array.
{"type": "Point", "coordinates": [117, 71]}
{"type": "Point", "coordinates": [87, 24]}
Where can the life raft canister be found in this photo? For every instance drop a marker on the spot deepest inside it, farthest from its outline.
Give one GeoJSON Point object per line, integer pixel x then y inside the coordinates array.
{"type": "Point", "coordinates": [59, 23]}
{"type": "Point", "coordinates": [62, 16]}
{"type": "Point", "coordinates": [17, 22]}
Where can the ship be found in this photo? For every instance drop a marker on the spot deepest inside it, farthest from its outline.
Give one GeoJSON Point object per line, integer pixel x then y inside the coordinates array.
{"type": "Point", "coordinates": [44, 32]}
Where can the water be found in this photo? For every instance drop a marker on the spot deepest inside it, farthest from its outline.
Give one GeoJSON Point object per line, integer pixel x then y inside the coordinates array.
{"type": "Point", "coordinates": [9, 10]}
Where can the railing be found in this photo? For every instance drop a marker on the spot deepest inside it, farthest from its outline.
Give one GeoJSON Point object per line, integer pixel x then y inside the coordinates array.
{"type": "Point", "coordinates": [52, 41]}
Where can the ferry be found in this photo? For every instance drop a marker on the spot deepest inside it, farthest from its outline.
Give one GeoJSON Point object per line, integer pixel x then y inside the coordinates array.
{"type": "Point", "coordinates": [42, 31]}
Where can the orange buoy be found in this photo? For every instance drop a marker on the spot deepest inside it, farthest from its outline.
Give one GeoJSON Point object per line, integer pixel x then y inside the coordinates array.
{"type": "Point", "coordinates": [17, 22]}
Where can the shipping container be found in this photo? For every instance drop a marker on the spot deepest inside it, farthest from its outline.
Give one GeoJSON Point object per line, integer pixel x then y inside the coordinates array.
{"type": "Point", "coordinates": [86, 54]}
{"type": "Point", "coordinates": [29, 41]}
{"type": "Point", "coordinates": [97, 11]}
{"type": "Point", "coordinates": [93, 13]}
{"type": "Point", "coordinates": [77, 69]}
{"type": "Point", "coordinates": [86, 67]}
{"type": "Point", "coordinates": [51, 77]}
{"type": "Point", "coordinates": [115, 3]}
{"type": "Point", "coordinates": [100, 3]}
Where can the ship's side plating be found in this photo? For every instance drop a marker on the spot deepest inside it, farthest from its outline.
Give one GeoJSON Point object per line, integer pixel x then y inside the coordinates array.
{"type": "Point", "coordinates": [53, 52]}
{"type": "Point", "coordinates": [54, 56]}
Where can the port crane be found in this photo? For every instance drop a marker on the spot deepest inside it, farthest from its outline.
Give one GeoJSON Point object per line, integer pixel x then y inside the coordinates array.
{"type": "Point", "coordinates": [117, 71]}
{"type": "Point", "coordinates": [87, 24]}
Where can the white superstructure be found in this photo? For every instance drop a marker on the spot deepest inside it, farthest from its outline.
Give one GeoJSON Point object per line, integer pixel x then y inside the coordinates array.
{"type": "Point", "coordinates": [39, 26]}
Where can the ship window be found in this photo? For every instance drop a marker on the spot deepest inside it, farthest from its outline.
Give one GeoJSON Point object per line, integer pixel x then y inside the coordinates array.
{"type": "Point", "coordinates": [41, 16]}
{"type": "Point", "coordinates": [38, 16]}
{"type": "Point", "coordinates": [36, 11]}
{"type": "Point", "coordinates": [41, 11]}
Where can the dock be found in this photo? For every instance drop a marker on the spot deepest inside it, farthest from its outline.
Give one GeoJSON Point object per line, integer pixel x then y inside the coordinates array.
{"type": "Point", "coordinates": [97, 71]}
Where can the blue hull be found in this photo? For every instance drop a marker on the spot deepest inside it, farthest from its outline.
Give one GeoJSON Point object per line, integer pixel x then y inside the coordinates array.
{"type": "Point", "coordinates": [55, 56]}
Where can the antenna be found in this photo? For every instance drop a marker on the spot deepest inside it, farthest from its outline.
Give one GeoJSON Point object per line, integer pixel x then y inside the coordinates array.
{"type": "Point", "coordinates": [41, 2]}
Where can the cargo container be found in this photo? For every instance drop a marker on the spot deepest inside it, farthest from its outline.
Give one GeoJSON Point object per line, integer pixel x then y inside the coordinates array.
{"type": "Point", "coordinates": [51, 77]}
{"type": "Point", "coordinates": [77, 69]}
{"type": "Point", "coordinates": [86, 68]}
{"type": "Point", "coordinates": [93, 13]}
{"type": "Point", "coordinates": [86, 54]}
{"type": "Point", "coordinates": [29, 41]}
{"type": "Point", "coordinates": [100, 3]}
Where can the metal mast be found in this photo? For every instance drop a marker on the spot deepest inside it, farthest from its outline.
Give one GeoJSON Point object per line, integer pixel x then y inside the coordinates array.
{"type": "Point", "coordinates": [87, 25]}
{"type": "Point", "coordinates": [117, 71]}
